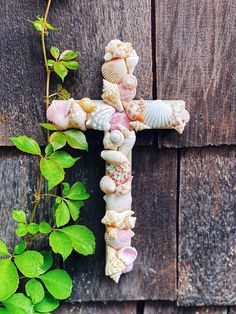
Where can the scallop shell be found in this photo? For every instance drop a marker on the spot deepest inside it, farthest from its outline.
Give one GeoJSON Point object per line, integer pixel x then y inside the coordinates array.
{"type": "Point", "coordinates": [120, 174]}
{"type": "Point", "coordinates": [121, 220]}
{"type": "Point", "coordinates": [111, 95]}
{"type": "Point", "coordinates": [126, 94]}
{"type": "Point", "coordinates": [132, 61]}
{"type": "Point", "coordinates": [77, 117]}
{"type": "Point", "coordinates": [129, 81]}
{"type": "Point", "coordinates": [113, 140]}
{"type": "Point", "coordinates": [139, 126]}
{"type": "Point", "coordinates": [124, 188]}
{"type": "Point", "coordinates": [58, 113]}
{"type": "Point", "coordinates": [118, 203]}
{"type": "Point", "coordinates": [128, 144]}
{"type": "Point", "coordinates": [118, 238]}
{"type": "Point", "coordinates": [117, 49]}
{"type": "Point", "coordinates": [107, 185]}
{"type": "Point", "coordinates": [87, 105]}
{"type": "Point", "coordinates": [113, 71]}
{"type": "Point", "coordinates": [158, 114]}
{"type": "Point", "coordinates": [113, 157]}
{"type": "Point", "coordinates": [128, 255]}
{"type": "Point", "coordinates": [99, 119]}
{"type": "Point", "coordinates": [114, 265]}
{"type": "Point", "coordinates": [133, 111]}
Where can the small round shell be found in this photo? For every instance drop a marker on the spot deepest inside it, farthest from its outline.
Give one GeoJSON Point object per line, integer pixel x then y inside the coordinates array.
{"type": "Point", "coordinates": [112, 140]}
{"type": "Point", "coordinates": [120, 174]}
{"type": "Point", "coordinates": [107, 185]}
{"type": "Point", "coordinates": [58, 113]}
{"type": "Point", "coordinates": [129, 81]}
{"type": "Point", "coordinates": [113, 71]}
{"type": "Point", "coordinates": [128, 255]}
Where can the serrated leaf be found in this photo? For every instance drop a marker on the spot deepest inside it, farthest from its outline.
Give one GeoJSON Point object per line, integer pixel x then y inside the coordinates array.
{"type": "Point", "coordinates": [30, 263]}
{"type": "Point", "coordinates": [60, 243]}
{"type": "Point", "coordinates": [51, 280]}
{"type": "Point", "coordinates": [74, 208]}
{"type": "Point", "coordinates": [82, 238]}
{"type": "Point", "coordinates": [48, 304]}
{"type": "Point", "coordinates": [66, 188]}
{"type": "Point", "coordinates": [44, 227]}
{"type": "Point", "coordinates": [9, 279]}
{"type": "Point", "coordinates": [52, 28]}
{"type": "Point", "coordinates": [21, 230]}
{"type": "Point", "coordinates": [48, 126]}
{"type": "Point", "coordinates": [77, 192]}
{"type": "Point", "coordinates": [51, 62]}
{"type": "Point", "coordinates": [48, 150]}
{"type": "Point", "coordinates": [3, 249]}
{"type": "Point", "coordinates": [19, 215]}
{"type": "Point", "coordinates": [60, 70]}
{"type": "Point", "coordinates": [64, 159]}
{"type": "Point", "coordinates": [33, 228]}
{"type": "Point", "coordinates": [76, 139]}
{"type": "Point", "coordinates": [57, 140]}
{"type": "Point", "coordinates": [62, 214]}
{"type": "Point", "coordinates": [48, 260]}
{"type": "Point", "coordinates": [72, 65]}
{"type": "Point", "coordinates": [68, 55]}
{"type": "Point", "coordinates": [19, 303]}
{"type": "Point", "coordinates": [55, 52]}
{"type": "Point", "coordinates": [51, 171]}
{"type": "Point", "coordinates": [34, 290]}
{"type": "Point", "coordinates": [26, 144]}
{"type": "Point", "coordinates": [20, 247]}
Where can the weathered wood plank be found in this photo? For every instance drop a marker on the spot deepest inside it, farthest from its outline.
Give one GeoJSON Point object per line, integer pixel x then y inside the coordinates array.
{"type": "Point", "coordinates": [232, 310]}
{"type": "Point", "coordinates": [195, 60]}
{"type": "Point", "coordinates": [154, 194]}
{"type": "Point", "coordinates": [207, 255]}
{"type": "Point", "coordinates": [98, 308]}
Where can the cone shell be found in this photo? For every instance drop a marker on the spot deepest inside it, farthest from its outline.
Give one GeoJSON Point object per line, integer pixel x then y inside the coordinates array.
{"type": "Point", "coordinates": [77, 117]}
{"type": "Point", "coordinates": [99, 119]}
{"type": "Point", "coordinates": [132, 61]}
{"type": "Point", "coordinates": [111, 95]}
{"type": "Point", "coordinates": [129, 81]}
{"type": "Point", "coordinates": [118, 203]}
{"type": "Point", "coordinates": [128, 144]}
{"type": "Point", "coordinates": [121, 220]}
{"type": "Point", "coordinates": [139, 126]}
{"type": "Point", "coordinates": [113, 140]}
{"type": "Point", "coordinates": [114, 157]}
{"type": "Point", "coordinates": [120, 174]}
{"type": "Point", "coordinates": [58, 113]}
{"type": "Point", "coordinates": [113, 71]}
{"type": "Point", "coordinates": [87, 105]}
{"type": "Point", "coordinates": [117, 49]}
{"type": "Point", "coordinates": [114, 265]}
{"type": "Point", "coordinates": [158, 114]}
{"type": "Point", "coordinates": [107, 185]}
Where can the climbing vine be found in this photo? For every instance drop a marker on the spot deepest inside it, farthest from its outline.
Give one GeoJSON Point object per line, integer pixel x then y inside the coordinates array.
{"type": "Point", "coordinates": [29, 280]}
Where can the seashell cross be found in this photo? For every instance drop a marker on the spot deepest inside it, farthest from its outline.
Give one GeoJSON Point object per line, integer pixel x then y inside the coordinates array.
{"type": "Point", "coordinates": [119, 116]}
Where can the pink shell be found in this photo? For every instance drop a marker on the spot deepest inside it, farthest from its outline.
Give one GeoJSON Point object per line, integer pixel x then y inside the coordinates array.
{"type": "Point", "coordinates": [120, 174]}
{"type": "Point", "coordinates": [122, 240]}
{"type": "Point", "coordinates": [119, 118]}
{"type": "Point", "coordinates": [126, 94]}
{"type": "Point", "coordinates": [125, 235]}
{"type": "Point", "coordinates": [128, 268]}
{"type": "Point", "coordinates": [58, 113]}
{"type": "Point", "coordinates": [128, 255]}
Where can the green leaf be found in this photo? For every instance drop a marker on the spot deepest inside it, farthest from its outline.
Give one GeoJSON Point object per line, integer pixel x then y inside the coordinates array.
{"type": "Point", "coordinates": [21, 230]}
{"type": "Point", "coordinates": [48, 260]}
{"type": "Point", "coordinates": [57, 140]}
{"type": "Point", "coordinates": [60, 243]}
{"type": "Point", "coordinates": [4, 310]}
{"type": "Point", "coordinates": [38, 25]}
{"type": "Point", "coordinates": [51, 281]}
{"type": "Point", "coordinates": [30, 263]}
{"type": "Point", "coordinates": [63, 94]}
{"type": "Point", "coordinates": [51, 63]}
{"type": "Point", "coordinates": [78, 192]}
{"type": "Point", "coordinates": [33, 228]}
{"type": "Point", "coordinates": [9, 279]}
{"type": "Point", "coordinates": [74, 208]}
{"type": "Point", "coordinates": [19, 215]}
{"type": "Point", "coordinates": [48, 150]}
{"type": "Point", "coordinates": [55, 52]}
{"type": "Point", "coordinates": [68, 55]}
{"type": "Point", "coordinates": [26, 144]}
{"type": "Point", "coordinates": [82, 238]}
{"type": "Point", "coordinates": [34, 290]}
{"type": "Point", "coordinates": [76, 139]}
{"type": "Point", "coordinates": [3, 249]}
{"type": "Point", "coordinates": [66, 188]}
{"type": "Point", "coordinates": [20, 247]}
{"type": "Point", "coordinates": [52, 28]}
{"type": "Point", "coordinates": [44, 227]}
{"type": "Point", "coordinates": [52, 171]}
{"type": "Point", "coordinates": [64, 159]}
{"type": "Point", "coordinates": [48, 304]}
{"type": "Point", "coordinates": [19, 303]}
{"type": "Point", "coordinates": [48, 126]}
{"type": "Point", "coordinates": [72, 65]}
{"type": "Point", "coordinates": [60, 70]}
{"type": "Point", "coordinates": [62, 215]}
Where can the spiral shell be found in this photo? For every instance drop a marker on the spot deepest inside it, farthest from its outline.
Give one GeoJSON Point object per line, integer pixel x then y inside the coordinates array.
{"type": "Point", "coordinates": [129, 81]}
{"type": "Point", "coordinates": [111, 95]}
{"type": "Point", "coordinates": [122, 220]}
{"type": "Point", "coordinates": [139, 126]}
{"type": "Point", "coordinates": [128, 144]}
{"type": "Point", "coordinates": [117, 49]}
{"type": "Point", "coordinates": [113, 71]}
{"type": "Point", "coordinates": [99, 119]}
{"type": "Point", "coordinates": [58, 113]}
{"type": "Point", "coordinates": [107, 185]}
{"type": "Point", "coordinates": [113, 140]}
{"type": "Point", "coordinates": [118, 203]}
{"type": "Point", "coordinates": [120, 174]}
{"type": "Point", "coordinates": [132, 61]}
{"type": "Point", "coordinates": [114, 265]}
{"type": "Point", "coordinates": [133, 111]}
{"type": "Point", "coordinates": [77, 117]}
{"type": "Point", "coordinates": [114, 157]}
{"type": "Point", "coordinates": [158, 114]}
{"type": "Point", "coordinates": [87, 105]}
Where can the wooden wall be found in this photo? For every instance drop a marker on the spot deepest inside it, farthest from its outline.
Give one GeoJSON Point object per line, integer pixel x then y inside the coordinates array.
{"type": "Point", "coordinates": [184, 186]}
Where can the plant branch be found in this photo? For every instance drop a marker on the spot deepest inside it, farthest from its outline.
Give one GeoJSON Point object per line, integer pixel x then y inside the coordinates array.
{"type": "Point", "coordinates": [37, 198]}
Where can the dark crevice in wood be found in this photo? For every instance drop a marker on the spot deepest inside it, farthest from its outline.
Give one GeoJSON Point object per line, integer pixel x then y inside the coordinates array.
{"type": "Point", "coordinates": [140, 307]}
{"type": "Point", "coordinates": [177, 215]}
{"type": "Point", "coordinates": [153, 36]}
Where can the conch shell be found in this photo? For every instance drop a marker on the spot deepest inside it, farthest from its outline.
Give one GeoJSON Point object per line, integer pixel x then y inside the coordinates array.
{"type": "Point", "coordinates": [114, 70]}
{"type": "Point", "coordinates": [139, 126]}
{"type": "Point", "coordinates": [58, 113]}
{"type": "Point", "coordinates": [158, 114]}
{"type": "Point", "coordinates": [99, 119]}
{"type": "Point", "coordinates": [120, 173]}
{"type": "Point", "coordinates": [128, 143]}
{"type": "Point", "coordinates": [107, 185]}
{"type": "Point", "coordinates": [121, 220]}
{"type": "Point", "coordinates": [111, 95]}
{"type": "Point", "coordinates": [114, 157]}
{"type": "Point", "coordinates": [118, 203]}
{"type": "Point", "coordinates": [112, 140]}
{"type": "Point", "coordinates": [132, 61]}
{"type": "Point", "coordinates": [118, 238]}
{"type": "Point", "coordinates": [87, 105]}
{"type": "Point", "coordinates": [117, 49]}
{"type": "Point", "coordinates": [114, 265]}
{"type": "Point", "coordinates": [77, 116]}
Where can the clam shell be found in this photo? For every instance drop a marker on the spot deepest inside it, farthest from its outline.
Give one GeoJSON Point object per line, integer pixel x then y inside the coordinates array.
{"type": "Point", "coordinates": [120, 174]}
{"type": "Point", "coordinates": [77, 117]}
{"type": "Point", "coordinates": [117, 49]}
{"type": "Point", "coordinates": [139, 126]}
{"type": "Point", "coordinates": [107, 185]}
{"type": "Point", "coordinates": [118, 203]}
{"type": "Point", "coordinates": [121, 239]}
{"type": "Point", "coordinates": [128, 255]}
{"type": "Point", "coordinates": [113, 71]}
{"type": "Point", "coordinates": [113, 140]}
{"type": "Point", "coordinates": [114, 265]}
{"type": "Point", "coordinates": [99, 119]}
{"type": "Point", "coordinates": [58, 113]}
{"type": "Point", "coordinates": [128, 144]}
{"type": "Point", "coordinates": [129, 81]}
{"type": "Point", "coordinates": [111, 95]}
{"type": "Point", "coordinates": [114, 157]}
{"type": "Point", "coordinates": [158, 114]}
{"type": "Point", "coordinates": [132, 61]}
{"type": "Point", "coordinates": [87, 105]}
{"type": "Point", "coordinates": [122, 220]}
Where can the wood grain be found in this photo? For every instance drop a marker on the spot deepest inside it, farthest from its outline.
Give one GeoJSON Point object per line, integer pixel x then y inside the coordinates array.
{"type": "Point", "coordinates": [195, 61]}
{"type": "Point", "coordinates": [154, 195]}
{"type": "Point", "coordinates": [207, 256]}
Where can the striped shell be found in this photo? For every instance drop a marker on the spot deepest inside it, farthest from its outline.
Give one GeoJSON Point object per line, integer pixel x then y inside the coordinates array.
{"type": "Point", "coordinates": [158, 114]}
{"type": "Point", "coordinates": [77, 117]}
{"type": "Point", "coordinates": [107, 185]}
{"type": "Point", "coordinates": [111, 95]}
{"type": "Point", "coordinates": [58, 113]}
{"type": "Point", "coordinates": [118, 203]}
{"type": "Point", "coordinates": [99, 119]}
{"type": "Point", "coordinates": [114, 70]}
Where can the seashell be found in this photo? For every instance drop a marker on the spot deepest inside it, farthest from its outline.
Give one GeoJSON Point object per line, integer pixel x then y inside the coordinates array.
{"type": "Point", "coordinates": [128, 255]}
{"type": "Point", "coordinates": [158, 114]}
{"type": "Point", "coordinates": [132, 61]}
{"type": "Point", "coordinates": [113, 140]}
{"type": "Point", "coordinates": [77, 116]}
{"type": "Point", "coordinates": [128, 143]}
{"type": "Point", "coordinates": [114, 265]}
{"type": "Point", "coordinates": [117, 49]}
{"type": "Point", "coordinates": [58, 113]}
{"type": "Point", "coordinates": [113, 71]}
{"type": "Point", "coordinates": [133, 111]}
{"type": "Point", "coordinates": [87, 105]}
{"type": "Point", "coordinates": [111, 95]}
{"type": "Point", "coordinates": [120, 174]}
{"type": "Point", "coordinates": [122, 220]}
{"type": "Point", "coordinates": [142, 104]}
{"type": "Point", "coordinates": [128, 268]}
{"type": "Point", "coordinates": [107, 185]}
{"type": "Point", "coordinates": [118, 238]}
{"type": "Point", "coordinates": [99, 119]}
{"type": "Point", "coordinates": [118, 203]}
{"type": "Point", "coordinates": [124, 188]}
{"type": "Point", "coordinates": [126, 94]}
{"type": "Point", "coordinates": [180, 120]}
{"type": "Point", "coordinates": [114, 157]}
{"type": "Point", "coordinates": [139, 126]}
{"type": "Point", "coordinates": [118, 121]}
{"type": "Point", "coordinates": [129, 81]}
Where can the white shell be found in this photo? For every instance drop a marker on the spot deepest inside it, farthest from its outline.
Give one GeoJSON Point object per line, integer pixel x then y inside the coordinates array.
{"type": "Point", "coordinates": [129, 81]}
{"type": "Point", "coordinates": [118, 238]}
{"type": "Point", "coordinates": [118, 203]}
{"type": "Point", "coordinates": [99, 119]}
{"type": "Point", "coordinates": [158, 114]}
{"type": "Point", "coordinates": [139, 126]}
{"type": "Point", "coordinates": [113, 157]}
{"type": "Point", "coordinates": [121, 220]}
{"type": "Point", "coordinates": [107, 185]}
{"type": "Point", "coordinates": [120, 174]}
{"type": "Point", "coordinates": [58, 113]}
{"type": "Point", "coordinates": [77, 116]}
{"type": "Point", "coordinates": [113, 140]}
{"type": "Point", "coordinates": [132, 61]}
{"type": "Point", "coordinates": [117, 49]}
{"type": "Point", "coordinates": [128, 255]}
{"type": "Point", "coordinates": [114, 265]}
{"type": "Point", "coordinates": [124, 188]}
{"type": "Point", "coordinates": [111, 95]}
{"type": "Point", "coordinates": [114, 70]}
{"type": "Point", "coordinates": [128, 144]}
